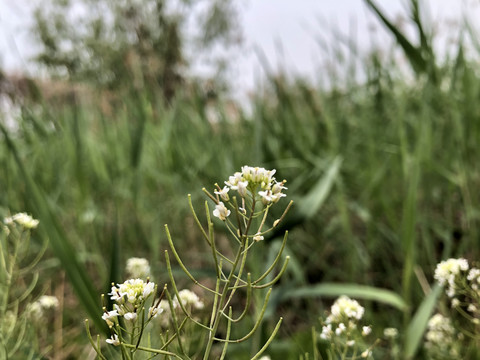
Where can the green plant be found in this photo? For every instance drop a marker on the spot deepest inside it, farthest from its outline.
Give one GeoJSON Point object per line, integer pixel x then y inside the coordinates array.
{"type": "Point", "coordinates": [245, 218]}
{"type": "Point", "coordinates": [19, 314]}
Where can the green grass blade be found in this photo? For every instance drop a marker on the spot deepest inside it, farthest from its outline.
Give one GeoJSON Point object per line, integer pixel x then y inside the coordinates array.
{"type": "Point", "coordinates": [353, 290]}
{"type": "Point", "coordinates": [413, 53]}
{"type": "Point", "coordinates": [417, 326]}
{"type": "Point", "coordinates": [313, 201]}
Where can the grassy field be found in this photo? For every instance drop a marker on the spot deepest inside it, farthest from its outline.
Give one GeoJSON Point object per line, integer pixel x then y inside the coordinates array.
{"type": "Point", "coordinates": [383, 174]}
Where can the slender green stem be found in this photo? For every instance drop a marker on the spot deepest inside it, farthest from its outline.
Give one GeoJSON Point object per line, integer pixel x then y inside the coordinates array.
{"type": "Point", "coordinates": [269, 270]}
{"type": "Point", "coordinates": [177, 257]}
{"type": "Point", "coordinates": [227, 337]}
{"type": "Point", "coordinates": [282, 270]}
{"type": "Point", "coordinates": [155, 351]}
{"type": "Point", "coordinates": [175, 289]}
{"type": "Point", "coordinates": [270, 339]}
{"type": "Point", "coordinates": [221, 304]}
{"type": "Point", "coordinates": [92, 342]}
{"type": "Point", "coordinates": [9, 274]}
{"type": "Point", "coordinates": [257, 323]}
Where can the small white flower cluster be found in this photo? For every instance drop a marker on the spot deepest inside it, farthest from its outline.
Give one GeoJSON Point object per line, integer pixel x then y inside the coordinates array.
{"type": "Point", "coordinates": [138, 267]}
{"type": "Point", "coordinates": [253, 181]}
{"type": "Point", "coordinates": [448, 272]}
{"type": "Point", "coordinates": [22, 219]}
{"type": "Point", "coordinates": [37, 310]}
{"type": "Point", "coordinates": [342, 322]}
{"type": "Point", "coordinates": [474, 278]}
{"type": "Point", "coordinates": [129, 297]}
{"type": "Point", "coordinates": [440, 337]}
{"type": "Point", "coordinates": [462, 285]}
{"type": "Point", "coordinates": [188, 298]}
{"type": "Point", "coordinates": [390, 333]}
{"type": "Point", "coordinates": [345, 308]}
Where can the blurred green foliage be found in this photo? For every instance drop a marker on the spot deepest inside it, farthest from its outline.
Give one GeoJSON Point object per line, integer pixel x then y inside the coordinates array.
{"type": "Point", "coordinates": [383, 172]}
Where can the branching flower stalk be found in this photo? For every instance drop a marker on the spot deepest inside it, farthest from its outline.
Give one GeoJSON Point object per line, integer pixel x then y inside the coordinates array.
{"type": "Point", "coordinates": [258, 191]}
{"type": "Point", "coordinates": [245, 216]}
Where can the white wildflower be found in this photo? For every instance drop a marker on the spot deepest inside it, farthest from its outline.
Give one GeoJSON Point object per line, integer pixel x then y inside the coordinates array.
{"type": "Point", "coordinates": [48, 302]}
{"type": "Point", "coordinates": [447, 269]}
{"type": "Point", "coordinates": [326, 332]}
{"type": "Point", "coordinates": [114, 340]}
{"type": "Point", "coordinates": [133, 291]}
{"type": "Point", "coordinates": [22, 219]}
{"type": "Point", "coordinates": [344, 307]}
{"type": "Point", "coordinates": [390, 333]}
{"type": "Point", "coordinates": [242, 188]}
{"type": "Point", "coordinates": [153, 311]}
{"type": "Point", "coordinates": [366, 353]}
{"type": "Point", "coordinates": [138, 267]}
{"type": "Point", "coordinates": [37, 310]}
{"type": "Point", "coordinates": [109, 317]}
{"type": "Point", "coordinates": [223, 193]}
{"type": "Point", "coordinates": [130, 316]}
{"type": "Point", "coordinates": [440, 329]}
{"type": "Point", "coordinates": [350, 343]}
{"type": "Point", "coordinates": [340, 329]}
{"type": "Point", "coordinates": [447, 272]}
{"type": "Point", "coordinates": [253, 178]}
{"type": "Point", "coordinates": [233, 180]}
{"type": "Point", "coordinates": [266, 196]}
{"type": "Point", "coordinates": [473, 274]}
{"type": "Point", "coordinates": [258, 237]}
{"type": "Point", "coordinates": [366, 330]}
{"type": "Point", "coordinates": [221, 211]}
{"type": "Point", "coordinates": [189, 298]}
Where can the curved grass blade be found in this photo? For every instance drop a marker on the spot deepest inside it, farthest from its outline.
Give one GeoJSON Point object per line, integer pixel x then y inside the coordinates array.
{"type": "Point", "coordinates": [417, 326]}
{"type": "Point", "coordinates": [357, 291]}
{"type": "Point", "coordinates": [313, 201]}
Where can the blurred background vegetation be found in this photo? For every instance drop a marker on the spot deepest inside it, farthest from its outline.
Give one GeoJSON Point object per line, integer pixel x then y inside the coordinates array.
{"type": "Point", "coordinates": [383, 171]}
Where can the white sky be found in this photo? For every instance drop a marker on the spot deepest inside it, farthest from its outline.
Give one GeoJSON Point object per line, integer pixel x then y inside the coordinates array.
{"type": "Point", "coordinates": [284, 30]}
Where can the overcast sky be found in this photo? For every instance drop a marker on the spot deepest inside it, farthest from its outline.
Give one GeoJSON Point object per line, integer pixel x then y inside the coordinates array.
{"type": "Point", "coordinates": [285, 30]}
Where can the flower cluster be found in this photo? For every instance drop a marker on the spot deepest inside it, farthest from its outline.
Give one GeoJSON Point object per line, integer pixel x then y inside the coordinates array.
{"type": "Point", "coordinates": [38, 309]}
{"type": "Point", "coordinates": [252, 184]}
{"type": "Point", "coordinates": [462, 286]}
{"type": "Point", "coordinates": [138, 267]}
{"type": "Point", "coordinates": [188, 299]}
{"type": "Point", "coordinates": [251, 181]}
{"type": "Point", "coordinates": [449, 273]}
{"type": "Point", "coordinates": [22, 219]}
{"type": "Point", "coordinates": [441, 338]}
{"type": "Point", "coordinates": [341, 326]}
{"type": "Point", "coordinates": [129, 298]}
{"type": "Point", "coordinates": [345, 309]}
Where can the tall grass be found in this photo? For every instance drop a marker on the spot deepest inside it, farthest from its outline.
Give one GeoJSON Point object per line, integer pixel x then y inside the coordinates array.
{"type": "Point", "coordinates": [383, 174]}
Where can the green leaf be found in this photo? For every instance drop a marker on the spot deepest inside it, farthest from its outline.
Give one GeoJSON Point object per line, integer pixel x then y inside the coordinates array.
{"type": "Point", "coordinates": [419, 322]}
{"type": "Point", "coordinates": [353, 290]}
{"type": "Point", "coordinates": [413, 53]}
{"type": "Point", "coordinates": [309, 205]}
